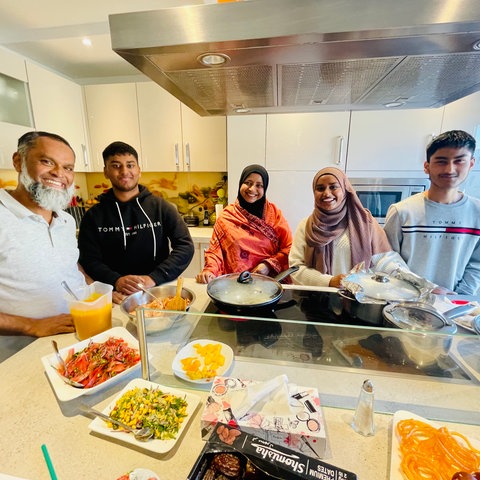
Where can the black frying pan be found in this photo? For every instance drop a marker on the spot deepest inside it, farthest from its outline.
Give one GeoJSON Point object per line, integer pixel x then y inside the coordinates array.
{"type": "Point", "coordinates": [247, 293]}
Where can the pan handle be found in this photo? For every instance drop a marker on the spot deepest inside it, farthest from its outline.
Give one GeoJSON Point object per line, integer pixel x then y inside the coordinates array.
{"type": "Point", "coordinates": [286, 273]}
{"type": "Point", "coordinates": [458, 311]}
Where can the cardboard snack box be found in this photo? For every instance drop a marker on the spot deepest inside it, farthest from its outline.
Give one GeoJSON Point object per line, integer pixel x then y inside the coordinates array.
{"type": "Point", "coordinates": [234, 455]}
{"type": "Point", "coordinates": [302, 429]}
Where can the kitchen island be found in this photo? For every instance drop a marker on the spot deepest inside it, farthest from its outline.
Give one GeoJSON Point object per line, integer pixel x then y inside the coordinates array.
{"type": "Point", "coordinates": [31, 415]}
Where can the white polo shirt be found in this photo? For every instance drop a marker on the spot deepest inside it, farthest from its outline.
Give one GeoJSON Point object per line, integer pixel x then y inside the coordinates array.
{"type": "Point", "coordinates": [34, 259]}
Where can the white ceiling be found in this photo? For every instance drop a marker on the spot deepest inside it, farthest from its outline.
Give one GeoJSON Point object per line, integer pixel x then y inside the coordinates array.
{"type": "Point", "coordinates": [50, 32]}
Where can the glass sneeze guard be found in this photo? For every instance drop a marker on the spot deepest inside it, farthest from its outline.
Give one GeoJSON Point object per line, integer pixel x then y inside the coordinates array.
{"type": "Point", "coordinates": [433, 375]}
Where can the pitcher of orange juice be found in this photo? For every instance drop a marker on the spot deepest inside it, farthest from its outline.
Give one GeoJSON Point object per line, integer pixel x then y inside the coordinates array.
{"type": "Point", "coordinates": [92, 313]}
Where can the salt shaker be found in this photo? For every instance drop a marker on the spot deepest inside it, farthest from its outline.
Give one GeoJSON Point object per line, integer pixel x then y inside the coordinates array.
{"type": "Point", "coordinates": [363, 419]}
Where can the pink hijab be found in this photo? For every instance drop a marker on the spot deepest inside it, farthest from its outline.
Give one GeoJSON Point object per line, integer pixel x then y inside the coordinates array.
{"type": "Point", "coordinates": [367, 238]}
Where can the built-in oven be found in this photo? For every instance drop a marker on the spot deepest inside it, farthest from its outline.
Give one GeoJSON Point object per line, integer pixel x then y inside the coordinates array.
{"type": "Point", "coordinates": [377, 194]}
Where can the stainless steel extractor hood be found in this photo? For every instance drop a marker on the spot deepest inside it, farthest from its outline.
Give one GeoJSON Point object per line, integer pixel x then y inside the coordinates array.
{"type": "Point", "coordinates": [307, 55]}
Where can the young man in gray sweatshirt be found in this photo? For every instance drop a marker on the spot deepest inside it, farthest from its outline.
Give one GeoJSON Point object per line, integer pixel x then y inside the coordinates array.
{"type": "Point", "coordinates": [437, 232]}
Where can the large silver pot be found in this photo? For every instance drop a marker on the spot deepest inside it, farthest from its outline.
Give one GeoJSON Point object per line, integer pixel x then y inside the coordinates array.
{"type": "Point", "coordinates": [365, 294]}
{"type": "Point", "coordinates": [430, 333]}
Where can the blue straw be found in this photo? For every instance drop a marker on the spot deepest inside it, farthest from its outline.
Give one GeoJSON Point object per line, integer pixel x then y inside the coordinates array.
{"type": "Point", "coordinates": [51, 470]}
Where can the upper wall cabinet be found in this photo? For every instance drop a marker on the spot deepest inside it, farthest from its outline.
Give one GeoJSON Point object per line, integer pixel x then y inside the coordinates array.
{"type": "Point", "coordinates": [306, 141]}
{"type": "Point", "coordinates": [464, 114]}
{"type": "Point", "coordinates": [391, 141]}
{"type": "Point", "coordinates": [112, 115]}
{"type": "Point", "coordinates": [174, 137]}
{"type": "Point", "coordinates": [246, 145]}
{"type": "Point", "coordinates": [58, 108]}
{"type": "Point", "coordinates": [159, 115]}
{"type": "Point", "coordinates": [15, 113]}
{"type": "Point", "coordinates": [9, 135]}
{"type": "Point", "coordinates": [204, 142]}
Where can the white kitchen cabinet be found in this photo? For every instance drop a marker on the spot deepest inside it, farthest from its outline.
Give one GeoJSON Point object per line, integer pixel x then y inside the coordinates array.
{"type": "Point", "coordinates": [13, 66]}
{"type": "Point", "coordinates": [306, 141]}
{"type": "Point", "coordinates": [464, 114]}
{"type": "Point", "coordinates": [198, 260]}
{"type": "Point", "coordinates": [112, 115]}
{"type": "Point", "coordinates": [391, 143]}
{"type": "Point", "coordinates": [292, 192]}
{"type": "Point", "coordinates": [174, 137]}
{"type": "Point", "coordinates": [9, 135]}
{"type": "Point", "coordinates": [245, 145]}
{"type": "Point", "coordinates": [58, 108]}
{"type": "Point", "coordinates": [204, 142]}
{"type": "Point", "coordinates": [159, 116]}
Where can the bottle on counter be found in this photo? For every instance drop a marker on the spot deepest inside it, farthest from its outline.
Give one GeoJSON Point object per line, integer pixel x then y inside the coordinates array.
{"type": "Point", "coordinates": [206, 218]}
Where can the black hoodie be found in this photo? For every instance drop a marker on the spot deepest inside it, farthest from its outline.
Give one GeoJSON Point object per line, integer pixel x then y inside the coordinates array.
{"type": "Point", "coordinates": [134, 238]}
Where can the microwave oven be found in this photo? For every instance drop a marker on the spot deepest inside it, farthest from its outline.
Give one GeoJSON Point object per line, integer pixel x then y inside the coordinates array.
{"type": "Point", "coordinates": [377, 194]}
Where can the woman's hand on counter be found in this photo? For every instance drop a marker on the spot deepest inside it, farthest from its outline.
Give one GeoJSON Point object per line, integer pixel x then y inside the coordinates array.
{"type": "Point", "coordinates": [336, 281]}
{"type": "Point", "coordinates": [205, 277]}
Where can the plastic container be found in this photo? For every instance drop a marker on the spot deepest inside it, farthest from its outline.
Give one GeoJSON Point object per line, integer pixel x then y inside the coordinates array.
{"type": "Point", "coordinates": [92, 313]}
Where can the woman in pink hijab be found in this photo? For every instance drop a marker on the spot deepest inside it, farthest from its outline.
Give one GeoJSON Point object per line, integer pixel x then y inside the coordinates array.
{"type": "Point", "coordinates": [339, 234]}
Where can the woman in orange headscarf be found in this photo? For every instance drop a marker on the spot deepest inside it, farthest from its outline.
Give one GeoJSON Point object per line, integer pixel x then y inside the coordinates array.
{"type": "Point", "coordinates": [339, 234]}
{"type": "Point", "coordinates": [250, 234]}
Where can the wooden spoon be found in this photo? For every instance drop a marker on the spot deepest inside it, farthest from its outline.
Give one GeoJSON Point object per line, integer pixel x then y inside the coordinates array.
{"type": "Point", "coordinates": [177, 302]}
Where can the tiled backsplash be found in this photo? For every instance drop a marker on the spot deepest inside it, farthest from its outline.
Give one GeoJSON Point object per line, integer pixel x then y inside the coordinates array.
{"type": "Point", "coordinates": [190, 191]}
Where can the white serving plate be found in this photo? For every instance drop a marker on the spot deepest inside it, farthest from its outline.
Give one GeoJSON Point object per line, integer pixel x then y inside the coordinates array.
{"type": "Point", "coordinates": [156, 446]}
{"type": "Point", "coordinates": [66, 392]}
{"type": "Point", "coordinates": [395, 458]}
{"type": "Point", "coordinates": [189, 351]}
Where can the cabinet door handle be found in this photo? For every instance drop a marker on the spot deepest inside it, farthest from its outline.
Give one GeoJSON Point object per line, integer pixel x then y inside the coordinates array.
{"type": "Point", "coordinates": [85, 156]}
{"type": "Point", "coordinates": [177, 157]}
{"type": "Point", "coordinates": [187, 156]}
{"type": "Point", "coordinates": [340, 150]}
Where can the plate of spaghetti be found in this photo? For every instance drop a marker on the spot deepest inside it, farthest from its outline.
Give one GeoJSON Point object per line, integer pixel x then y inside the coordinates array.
{"type": "Point", "coordinates": [422, 449]}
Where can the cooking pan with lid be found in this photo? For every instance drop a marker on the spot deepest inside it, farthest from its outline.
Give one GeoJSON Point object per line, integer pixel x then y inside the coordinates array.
{"type": "Point", "coordinates": [430, 332]}
{"type": "Point", "coordinates": [364, 294]}
{"type": "Point", "coordinates": [247, 293]}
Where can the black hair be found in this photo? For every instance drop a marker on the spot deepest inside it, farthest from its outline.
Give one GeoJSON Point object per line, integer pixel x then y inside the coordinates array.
{"type": "Point", "coordinates": [29, 139]}
{"type": "Point", "coordinates": [118, 148]}
{"type": "Point", "coordinates": [451, 139]}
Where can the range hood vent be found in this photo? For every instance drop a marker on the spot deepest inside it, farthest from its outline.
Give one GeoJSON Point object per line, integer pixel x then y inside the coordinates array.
{"type": "Point", "coordinates": [307, 55]}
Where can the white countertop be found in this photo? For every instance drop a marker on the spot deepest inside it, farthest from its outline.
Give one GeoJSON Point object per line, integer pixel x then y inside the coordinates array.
{"type": "Point", "coordinates": [31, 416]}
{"type": "Point", "coordinates": [201, 234]}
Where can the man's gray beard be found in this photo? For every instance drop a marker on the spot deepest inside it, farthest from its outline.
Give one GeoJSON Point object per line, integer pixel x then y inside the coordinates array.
{"type": "Point", "coordinates": [46, 197]}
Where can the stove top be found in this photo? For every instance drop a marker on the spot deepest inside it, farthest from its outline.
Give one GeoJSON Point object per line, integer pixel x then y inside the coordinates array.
{"type": "Point", "coordinates": [302, 327]}
{"type": "Point", "coordinates": [306, 305]}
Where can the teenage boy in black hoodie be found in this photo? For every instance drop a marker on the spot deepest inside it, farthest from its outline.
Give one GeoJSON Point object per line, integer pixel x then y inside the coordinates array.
{"type": "Point", "coordinates": [125, 239]}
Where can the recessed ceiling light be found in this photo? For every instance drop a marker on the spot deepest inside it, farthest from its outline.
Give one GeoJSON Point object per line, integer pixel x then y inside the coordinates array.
{"type": "Point", "coordinates": [213, 59]}
{"type": "Point", "coordinates": [87, 42]}
{"type": "Point", "coordinates": [393, 104]}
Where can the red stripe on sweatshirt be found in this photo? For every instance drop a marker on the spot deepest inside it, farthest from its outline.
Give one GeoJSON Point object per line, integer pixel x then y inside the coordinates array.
{"type": "Point", "coordinates": [471, 231]}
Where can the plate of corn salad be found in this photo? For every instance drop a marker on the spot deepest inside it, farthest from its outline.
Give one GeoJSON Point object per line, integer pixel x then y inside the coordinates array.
{"type": "Point", "coordinates": [146, 404]}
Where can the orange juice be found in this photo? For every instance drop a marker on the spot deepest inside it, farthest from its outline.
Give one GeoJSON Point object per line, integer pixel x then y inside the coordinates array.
{"type": "Point", "coordinates": [90, 322]}
{"type": "Point", "coordinates": [94, 296]}
{"type": "Point", "coordinates": [92, 314]}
